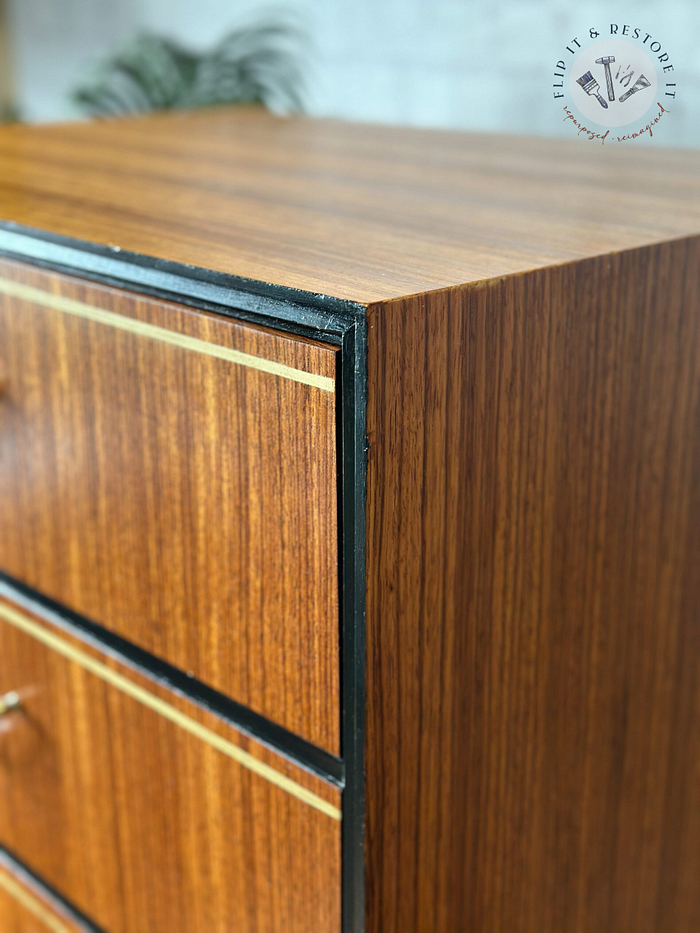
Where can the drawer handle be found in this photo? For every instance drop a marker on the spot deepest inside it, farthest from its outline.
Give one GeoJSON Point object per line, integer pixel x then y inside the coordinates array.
{"type": "Point", "coordinates": [9, 702]}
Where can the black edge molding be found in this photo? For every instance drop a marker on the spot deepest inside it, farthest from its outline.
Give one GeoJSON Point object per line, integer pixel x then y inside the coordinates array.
{"type": "Point", "coordinates": [232, 295]}
{"type": "Point", "coordinates": [317, 317]}
{"type": "Point", "coordinates": [263, 730]}
{"type": "Point", "coordinates": [45, 892]}
{"type": "Point", "coordinates": [353, 447]}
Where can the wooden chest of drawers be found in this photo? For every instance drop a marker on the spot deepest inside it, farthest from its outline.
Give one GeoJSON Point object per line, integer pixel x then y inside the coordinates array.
{"type": "Point", "coordinates": [349, 531]}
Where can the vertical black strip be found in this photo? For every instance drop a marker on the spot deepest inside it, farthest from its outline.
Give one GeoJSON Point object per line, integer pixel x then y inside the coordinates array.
{"type": "Point", "coordinates": [353, 479]}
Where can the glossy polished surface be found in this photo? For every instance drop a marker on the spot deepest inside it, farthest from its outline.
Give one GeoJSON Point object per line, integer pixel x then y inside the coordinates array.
{"type": "Point", "coordinates": [533, 600]}
{"type": "Point", "coordinates": [147, 826]}
{"type": "Point", "coordinates": [358, 212]}
{"type": "Point", "coordinates": [185, 501]}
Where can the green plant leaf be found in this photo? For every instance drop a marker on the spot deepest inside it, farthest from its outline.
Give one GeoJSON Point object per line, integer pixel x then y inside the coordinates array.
{"type": "Point", "coordinates": [260, 63]}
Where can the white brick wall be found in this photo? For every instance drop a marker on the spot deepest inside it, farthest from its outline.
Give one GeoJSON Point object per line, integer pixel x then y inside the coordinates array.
{"type": "Point", "coordinates": [477, 64]}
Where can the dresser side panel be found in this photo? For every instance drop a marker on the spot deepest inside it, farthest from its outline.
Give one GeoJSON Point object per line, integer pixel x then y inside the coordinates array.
{"type": "Point", "coordinates": [533, 545]}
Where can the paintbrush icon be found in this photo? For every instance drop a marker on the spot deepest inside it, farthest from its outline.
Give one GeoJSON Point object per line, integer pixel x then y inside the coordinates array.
{"type": "Point", "coordinates": [591, 87]}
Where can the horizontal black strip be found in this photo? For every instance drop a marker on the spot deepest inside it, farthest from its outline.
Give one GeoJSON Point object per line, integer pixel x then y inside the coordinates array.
{"type": "Point", "coordinates": [308, 328]}
{"type": "Point", "coordinates": [304, 754]}
{"type": "Point", "coordinates": [322, 315]}
{"type": "Point", "coordinates": [50, 895]}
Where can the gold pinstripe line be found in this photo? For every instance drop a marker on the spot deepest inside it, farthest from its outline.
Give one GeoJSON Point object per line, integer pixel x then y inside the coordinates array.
{"type": "Point", "coordinates": [32, 903]}
{"type": "Point", "coordinates": [153, 332]}
{"type": "Point", "coordinates": [63, 647]}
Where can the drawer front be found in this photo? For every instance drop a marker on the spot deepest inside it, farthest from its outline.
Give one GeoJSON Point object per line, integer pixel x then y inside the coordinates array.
{"type": "Point", "coordinates": [26, 908]}
{"type": "Point", "coordinates": [171, 475]}
{"type": "Point", "coordinates": [148, 813]}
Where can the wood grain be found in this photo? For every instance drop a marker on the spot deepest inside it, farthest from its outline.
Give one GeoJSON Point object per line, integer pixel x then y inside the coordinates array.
{"type": "Point", "coordinates": [185, 502]}
{"type": "Point", "coordinates": [533, 733]}
{"type": "Point", "coordinates": [57, 643]}
{"type": "Point", "coordinates": [26, 907]}
{"type": "Point", "coordinates": [359, 212]}
{"type": "Point", "coordinates": [152, 829]}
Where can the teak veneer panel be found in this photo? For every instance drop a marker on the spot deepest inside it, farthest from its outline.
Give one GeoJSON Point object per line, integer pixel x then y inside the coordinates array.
{"type": "Point", "coordinates": [185, 502]}
{"type": "Point", "coordinates": [144, 826]}
{"type": "Point", "coordinates": [358, 212]}
{"type": "Point", "coordinates": [532, 730]}
{"type": "Point", "coordinates": [26, 908]}
{"type": "Point", "coordinates": [533, 554]}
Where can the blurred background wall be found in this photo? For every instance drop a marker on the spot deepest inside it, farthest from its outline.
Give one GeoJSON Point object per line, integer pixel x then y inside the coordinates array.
{"type": "Point", "coordinates": [475, 64]}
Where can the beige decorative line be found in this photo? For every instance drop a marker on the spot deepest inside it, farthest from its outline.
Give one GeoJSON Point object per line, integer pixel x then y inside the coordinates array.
{"type": "Point", "coordinates": [63, 647]}
{"type": "Point", "coordinates": [151, 331]}
{"type": "Point", "coordinates": [20, 894]}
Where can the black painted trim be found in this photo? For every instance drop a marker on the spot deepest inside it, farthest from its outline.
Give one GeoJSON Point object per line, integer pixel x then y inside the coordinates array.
{"type": "Point", "coordinates": [51, 896]}
{"type": "Point", "coordinates": [263, 730]}
{"type": "Point", "coordinates": [353, 654]}
{"type": "Point", "coordinates": [314, 316]}
{"type": "Point", "coordinates": [229, 293]}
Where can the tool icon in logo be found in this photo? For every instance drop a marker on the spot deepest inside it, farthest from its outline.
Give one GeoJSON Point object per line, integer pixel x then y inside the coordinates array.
{"type": "Point", "coordinates": [615, 81]}
{"type": "Point", "coordinates": [606, 61]}
{"type": "Point", "coordinates": [591, 87]}
{"type": "Point", "coordinates": [639, 85]}
{"type": "Point", "coordinates": [601, 76]}
{"type": "Point", "coordinates": [624, 75]}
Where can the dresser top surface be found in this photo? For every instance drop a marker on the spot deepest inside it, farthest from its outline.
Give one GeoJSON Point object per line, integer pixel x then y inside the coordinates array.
{"type": "Point", "coordinates": [358, 212]}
